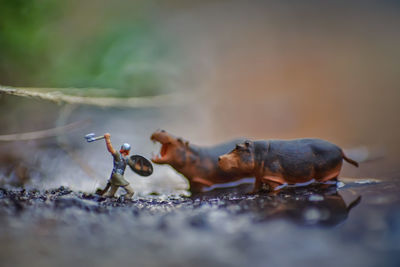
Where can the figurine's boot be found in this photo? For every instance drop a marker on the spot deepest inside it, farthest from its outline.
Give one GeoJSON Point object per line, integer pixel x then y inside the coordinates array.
{"type": "Point", "coordinates": [112, 191]}
{"type": "Point", "coordinates": [129, 191]}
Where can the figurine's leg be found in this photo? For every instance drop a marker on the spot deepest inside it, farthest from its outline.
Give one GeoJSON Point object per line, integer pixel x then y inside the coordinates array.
{"type": "Point", "coordinates": [129, 191]}
{"type": "Point", "coordinates": [112, 191]}
{"type": "Point", "coordinates": [101, 192]}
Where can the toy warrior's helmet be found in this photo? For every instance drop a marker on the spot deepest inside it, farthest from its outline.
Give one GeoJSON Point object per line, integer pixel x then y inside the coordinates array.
{"type": "Point", "coordinates": [126, 147]}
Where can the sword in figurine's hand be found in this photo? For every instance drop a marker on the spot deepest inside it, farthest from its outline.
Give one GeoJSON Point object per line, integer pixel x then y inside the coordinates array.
{"type": "Point", "coordinates": [91, 137]}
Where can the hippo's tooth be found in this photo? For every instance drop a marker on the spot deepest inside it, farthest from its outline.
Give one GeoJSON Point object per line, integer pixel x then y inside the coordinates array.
{"type": "Point", "coordinates": [156, 147]}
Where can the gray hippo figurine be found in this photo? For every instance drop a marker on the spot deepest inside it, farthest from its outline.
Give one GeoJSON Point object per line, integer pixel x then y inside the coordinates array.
{"type": "Point", "coordinates": [281, 162]}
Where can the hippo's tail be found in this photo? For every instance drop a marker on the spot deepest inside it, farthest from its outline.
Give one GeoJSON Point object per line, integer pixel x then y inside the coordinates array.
{"type": "Point", "coordinates": [355, 163]}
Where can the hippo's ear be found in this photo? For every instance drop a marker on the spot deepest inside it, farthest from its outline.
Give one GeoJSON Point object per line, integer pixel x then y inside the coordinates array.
{"type": "Point", "coordinates": [187, 143]}
{"type": "Point", "coordinates": [180, 140]}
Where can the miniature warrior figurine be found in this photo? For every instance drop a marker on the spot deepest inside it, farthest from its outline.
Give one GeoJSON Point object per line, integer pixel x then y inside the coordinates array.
{"type": "Point", "coordinates": [117, 176]}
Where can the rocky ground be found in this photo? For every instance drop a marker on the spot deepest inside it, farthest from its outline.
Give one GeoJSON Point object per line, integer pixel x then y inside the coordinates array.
{"type": "Point", "coordinates": [357, 224]}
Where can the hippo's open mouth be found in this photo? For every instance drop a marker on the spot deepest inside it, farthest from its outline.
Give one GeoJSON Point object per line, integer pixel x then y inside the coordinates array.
{"type": "Point", "coordinates": [161, 157]}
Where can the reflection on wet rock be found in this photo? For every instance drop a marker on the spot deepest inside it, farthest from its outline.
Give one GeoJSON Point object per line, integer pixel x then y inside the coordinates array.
{"type": "Point", "coordinates": [313, 205]}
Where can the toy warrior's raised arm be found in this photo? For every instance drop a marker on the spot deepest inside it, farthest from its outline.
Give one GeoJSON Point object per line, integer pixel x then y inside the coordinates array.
{"type": "Point", "coordinates": [108, 144]}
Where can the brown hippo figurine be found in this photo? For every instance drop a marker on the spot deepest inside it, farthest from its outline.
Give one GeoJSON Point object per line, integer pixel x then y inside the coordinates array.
{"type": "Point", "coordinates": [198, 164]}
{"type": "Point", "coordinates": [280, 162]}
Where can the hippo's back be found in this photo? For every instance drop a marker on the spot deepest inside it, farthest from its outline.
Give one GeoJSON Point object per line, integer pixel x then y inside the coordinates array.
{"type": "Point", "coordinates": [303, 158]}
{"type": "Point", "coordinates": [300, 146]}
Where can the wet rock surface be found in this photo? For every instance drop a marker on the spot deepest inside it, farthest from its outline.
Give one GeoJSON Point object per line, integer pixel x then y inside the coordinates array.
{"type": "Point", "coordinates": [355, 225]}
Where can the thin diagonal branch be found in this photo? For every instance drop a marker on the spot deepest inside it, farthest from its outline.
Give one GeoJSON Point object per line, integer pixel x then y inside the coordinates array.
{"type": "Point", "coordinates": [54, 95]}
{"type": "Point", "coordinates": [43, 133]}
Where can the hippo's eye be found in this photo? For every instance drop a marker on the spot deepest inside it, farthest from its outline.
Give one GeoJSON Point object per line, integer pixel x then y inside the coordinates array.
{"type": "Point", "coordinates": [247, 143]}
{"type": "Point", "coordinates": [240, 147]}
{"type": "Point", "coordinates": [163, 131]}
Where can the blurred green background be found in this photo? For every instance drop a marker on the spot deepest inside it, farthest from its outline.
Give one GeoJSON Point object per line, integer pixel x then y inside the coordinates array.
{"type": "Point", "coordinates": [83, 44]}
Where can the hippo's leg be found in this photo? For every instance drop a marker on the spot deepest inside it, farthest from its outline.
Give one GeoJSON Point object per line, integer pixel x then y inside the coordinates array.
{"type": "Point", "coordinates": [202, 181]}
{"type": "Point", "coordinates": [273, 182]}
{"type": "Point", "coordinates": [328, 169]}
{"type": "Point", "coordinates": [331, 175]}
{"type": "Point", "coordinates": [197, 184]}
{"type": "Point", "coordinates": [257, 186]}
{"type": "Point", "coordinates": [328, 185]}
{"type": "Point", "coordinates": [273, 186]}
{"type": "Point", "coordinates": [196, 187]}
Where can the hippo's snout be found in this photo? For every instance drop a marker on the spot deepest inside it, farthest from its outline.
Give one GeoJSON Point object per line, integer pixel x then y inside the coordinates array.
{"type": "Point", "coordinates": [224, 162]}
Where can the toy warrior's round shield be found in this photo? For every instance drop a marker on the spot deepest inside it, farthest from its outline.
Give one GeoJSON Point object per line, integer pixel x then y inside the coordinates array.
{"type": "Point", "coordinates": [140, 165]}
